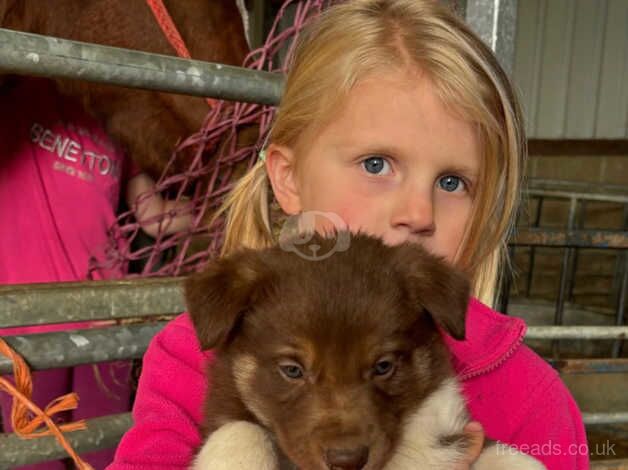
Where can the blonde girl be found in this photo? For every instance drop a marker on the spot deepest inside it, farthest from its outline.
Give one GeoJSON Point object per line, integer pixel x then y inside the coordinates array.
{"type": "Point", "coordinates": [398, 121]}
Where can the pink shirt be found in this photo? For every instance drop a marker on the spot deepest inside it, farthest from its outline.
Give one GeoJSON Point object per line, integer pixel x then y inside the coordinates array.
{"type": "Point", "coordinates": [515, 394]}
{"type": "Point", "coordinates": [60, 182]}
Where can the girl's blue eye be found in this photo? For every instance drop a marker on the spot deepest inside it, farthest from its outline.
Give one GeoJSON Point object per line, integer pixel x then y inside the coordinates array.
{"type": "Point", "coordinates": [375, 165]}
{"type": "Point", "coordinates": [450, 183]}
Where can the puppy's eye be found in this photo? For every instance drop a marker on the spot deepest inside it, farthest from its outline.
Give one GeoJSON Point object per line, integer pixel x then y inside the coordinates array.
{"type": "Point", "coordinates": [291, 370]}
{"type": "Point", "coordinates": [384, 367]}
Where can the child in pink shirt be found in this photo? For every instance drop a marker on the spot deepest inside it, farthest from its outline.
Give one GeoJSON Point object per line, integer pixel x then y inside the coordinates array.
{"type": "Point", "coordinates": [398, 121]}
{"type": "Point", "coordinates": [60, 184]}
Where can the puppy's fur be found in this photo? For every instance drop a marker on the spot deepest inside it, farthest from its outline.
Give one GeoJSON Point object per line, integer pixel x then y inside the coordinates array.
{"type": "Point", "coordinates": [335, 363]}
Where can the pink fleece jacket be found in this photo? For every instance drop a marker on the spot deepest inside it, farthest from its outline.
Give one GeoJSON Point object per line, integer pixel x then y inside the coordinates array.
{"type": "Point", "coordinates": [515, 394]}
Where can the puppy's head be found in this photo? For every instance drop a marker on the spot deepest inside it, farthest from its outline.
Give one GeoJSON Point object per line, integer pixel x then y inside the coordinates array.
{"type": "Point", "coordinates": [330, 355]}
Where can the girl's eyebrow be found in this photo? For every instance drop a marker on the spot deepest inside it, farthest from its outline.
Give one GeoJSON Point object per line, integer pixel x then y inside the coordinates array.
{"type": "Point", "coordinates": [369, 148]}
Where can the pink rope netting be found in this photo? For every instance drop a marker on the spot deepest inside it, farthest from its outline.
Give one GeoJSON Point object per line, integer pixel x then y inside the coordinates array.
{"type": "Point", "coordinates": [206, 180]}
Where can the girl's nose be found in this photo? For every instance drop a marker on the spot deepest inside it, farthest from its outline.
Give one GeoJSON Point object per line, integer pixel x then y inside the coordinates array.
{"type": "Point", "coordinates": [414, 211]}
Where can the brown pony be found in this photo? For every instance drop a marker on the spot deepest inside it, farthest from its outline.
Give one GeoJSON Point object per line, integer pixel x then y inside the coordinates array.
{"type": "Point", "coordinates": [147, 124]}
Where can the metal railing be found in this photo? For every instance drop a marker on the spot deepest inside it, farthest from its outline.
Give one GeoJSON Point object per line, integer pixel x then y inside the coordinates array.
{"type": "Point", "coordinates": [573, 238]}
{"type": "Point", "coordinates": [34, 54]}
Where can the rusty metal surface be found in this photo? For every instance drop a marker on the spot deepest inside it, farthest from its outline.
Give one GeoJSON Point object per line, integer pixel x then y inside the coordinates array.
{"type": "Point", "coordinates": [37, 304]}
{"type": "Point", "coordinates": [71, 348]}
{"type": "Point", "coordinates": [101, 433]}
{"type": "Point", "coordinates": [34, 54]}
{"type": "Point", "coordinates": [571, 238]}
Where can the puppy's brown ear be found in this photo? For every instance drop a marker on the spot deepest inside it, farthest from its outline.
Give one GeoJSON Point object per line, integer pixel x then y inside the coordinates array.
{"type": "Point", "coordinates": [433, 284]}
{"type": "Point", "coordinates": [218, 297]}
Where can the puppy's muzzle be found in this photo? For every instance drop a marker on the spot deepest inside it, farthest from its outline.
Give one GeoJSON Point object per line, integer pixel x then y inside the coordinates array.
{"type": "Point", "coordinates": [347, 459]}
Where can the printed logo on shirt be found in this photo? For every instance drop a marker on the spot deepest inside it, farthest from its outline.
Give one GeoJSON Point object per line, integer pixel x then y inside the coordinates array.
{"type": "Point", "coordinates": [69, 150]}
{"type": "Point", "coordinates": [93, 136]}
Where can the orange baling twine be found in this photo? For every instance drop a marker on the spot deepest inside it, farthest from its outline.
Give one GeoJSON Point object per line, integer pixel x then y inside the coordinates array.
{"type": "Point", "coordinates": [160, 12]}
{"type": "Point", "coordinates": [24, 423]}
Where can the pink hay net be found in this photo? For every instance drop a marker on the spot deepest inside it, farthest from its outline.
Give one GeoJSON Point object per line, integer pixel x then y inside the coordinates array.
{"type": "Point", "coordinates": [206, 179]}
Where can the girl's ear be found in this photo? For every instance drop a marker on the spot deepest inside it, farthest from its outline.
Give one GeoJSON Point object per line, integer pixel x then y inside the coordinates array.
{"type": "Point", "coordinates": [434, 285]}
{"type": "Point", "coordinates": [280, 161]}
{"type": "Point", "coordinates": [218, 297]}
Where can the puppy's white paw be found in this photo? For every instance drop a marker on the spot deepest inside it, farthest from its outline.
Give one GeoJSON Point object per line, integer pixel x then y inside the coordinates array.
{"type": "Point", "coordinates": [500, 456]}
{"type": "Point", "coordinates": [238, 445]}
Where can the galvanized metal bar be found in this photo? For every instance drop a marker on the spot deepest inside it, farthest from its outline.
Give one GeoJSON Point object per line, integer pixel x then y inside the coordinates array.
{"type": "Point", "coordinates": [621, 304]}
{"type": "Point", "coordinates": [565, 272]}
{"type": "Point", "coordinates": [71, 348]}
{"type": "Point", "coordinates": [605, 418]}
{"type": "Point", "coordinates": [581, 215]}
{"type": "Point", "coordinates": [590, 366]}
{"type": "Point", "coordinates": [565, 275]}
{"type": "Point", "coordinates": [581, 196]}
{"type": "Point", "coordinates": [577, 189]}
{"type": "Point", "coordinates": [577, 332]}
{"type": "Point", "coordinates": [495, 21]}
{"type": "Point", "coordinates": [101, 433]}
{"type": "Point", "coordinates": [34, 54]}
{"type": "Point", "coordinates": [532, 259]}
{"type": "Point", "coordinates": [37, 304]}
{"type": "Point", "coordinates": [621, 273]}
{"type": "Point", "coordinates": [610, 239]}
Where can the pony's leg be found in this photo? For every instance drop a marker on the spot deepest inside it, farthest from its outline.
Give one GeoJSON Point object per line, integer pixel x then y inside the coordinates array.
{"type": "Point", "coordinates": [238, 445]}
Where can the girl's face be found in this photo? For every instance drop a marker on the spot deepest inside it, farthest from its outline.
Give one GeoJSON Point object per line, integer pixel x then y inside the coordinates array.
{"type": "Point", "coordinates": [393, 162]}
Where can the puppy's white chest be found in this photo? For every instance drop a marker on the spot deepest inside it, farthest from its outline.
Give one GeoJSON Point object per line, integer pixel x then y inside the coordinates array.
{"type": "Point", "coordinates": [441, 414]}
{"type": "Point", "coordinates": [432, 438]}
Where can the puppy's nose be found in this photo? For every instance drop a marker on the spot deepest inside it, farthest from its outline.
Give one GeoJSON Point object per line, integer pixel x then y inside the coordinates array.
{"type": "Point", "coordinates": [350, 459]}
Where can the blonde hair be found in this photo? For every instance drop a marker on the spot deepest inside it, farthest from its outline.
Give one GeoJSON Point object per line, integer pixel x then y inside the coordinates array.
{"type": "Point", "coordinates": [360, 37]}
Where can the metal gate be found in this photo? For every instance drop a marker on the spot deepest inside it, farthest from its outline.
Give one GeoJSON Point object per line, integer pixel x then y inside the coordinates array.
{"type": "Point", "coordinates": [151, 301]}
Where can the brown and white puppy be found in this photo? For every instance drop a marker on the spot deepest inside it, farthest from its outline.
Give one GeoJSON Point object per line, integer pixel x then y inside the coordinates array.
{"type": "Point", "coordinates": [335, 363]}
